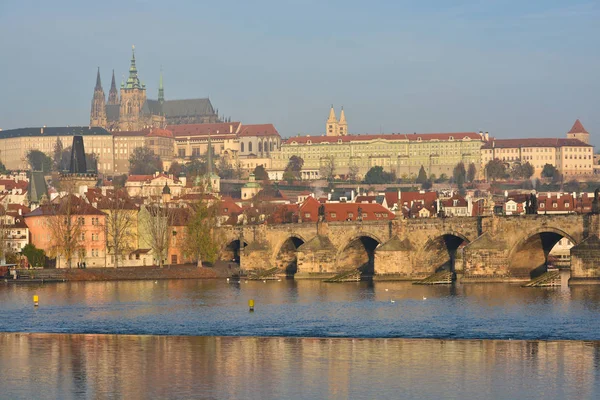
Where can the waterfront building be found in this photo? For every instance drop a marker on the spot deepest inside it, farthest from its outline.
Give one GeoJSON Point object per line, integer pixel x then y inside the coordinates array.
{"type": "Point", "coordinates": [572, 157]}
{"type": "Point", "coordinates": [47, 227]}
{"type": "Point", "coordinates": [133, 111]}
{"type": "Point", "coordinates": [14, 232]}
{"type": "Point", "coordinates": [403, 154]}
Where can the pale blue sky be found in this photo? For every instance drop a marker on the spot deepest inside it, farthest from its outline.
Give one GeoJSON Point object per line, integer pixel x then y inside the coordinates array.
{"type": "Point", "coordinates": [513, 68]}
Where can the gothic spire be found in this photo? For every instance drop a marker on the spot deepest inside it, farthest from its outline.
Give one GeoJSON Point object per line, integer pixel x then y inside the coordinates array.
{"type": "Point", "coordinates": [332, 117]}
{"type": "Point", "coordinates": [133, 82]}
{"type": "Point", "coordinates": [342, 116]}
{"type": "Point", "coordinates": [98, 82]}
{"type": "Point", "coordinates": [113, 95]}
{"type": "Point", "coordinates": [161, 89]}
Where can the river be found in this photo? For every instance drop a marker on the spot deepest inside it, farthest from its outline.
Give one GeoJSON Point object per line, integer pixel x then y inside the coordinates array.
{"type": "Point", "coordinates": [305, 340]}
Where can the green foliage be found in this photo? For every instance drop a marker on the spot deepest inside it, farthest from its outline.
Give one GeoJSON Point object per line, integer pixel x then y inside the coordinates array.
{"type": "Point", "coordinates": [119, 181]}
{"type": "Point", "coordinates": [202, 241]}
{"type": "Point", "coordinates": [57, 155]}
{"type": "Point", "coordinates": [376, 175]}
{"type": "Point", "coordinates": [443, 178]}
{"type": "Point", "coordinates": [459, 174]}
{"type": "Point", "coordinates": [571, 186]}
{"type": "Point", "coordinates": [39, 161]}
{"type": "Point", "coordinates": [35, 256]}
{"type": "Point", "coordinates": [195, 168]}
{"type": "Point", "coordinates": [294, 168]}
{"type": "Point", "coordinates": [522, 171]}
{"type": "Point", "coordinates": [422, 178]}
{"type": "Point", "coordinates": [550, 171]}
{"type": "Point", "coordinates": [260, 173]}
{"type": "Point", "coordinates": [3, 169]}
{"type": "Point", "coordinates": [143, 161]}
{"type": "Point", "coordinates": [175, 169]}
{"type": "Point", "coordinates": [495, 169]}
{"type": "Point", "coordinates": [471, 173]}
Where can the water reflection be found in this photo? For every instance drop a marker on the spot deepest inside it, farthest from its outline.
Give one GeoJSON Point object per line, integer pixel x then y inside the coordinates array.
{"type": "Point", "coordinates": [141, 367]}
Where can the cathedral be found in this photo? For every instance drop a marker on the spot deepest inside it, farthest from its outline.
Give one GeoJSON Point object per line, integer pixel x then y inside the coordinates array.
{"type": "Point", "coordinates": [130, 110]}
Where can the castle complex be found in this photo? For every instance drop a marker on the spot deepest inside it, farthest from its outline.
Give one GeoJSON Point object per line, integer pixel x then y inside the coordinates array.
{"type": "Point", "coordinates": [131, 110]}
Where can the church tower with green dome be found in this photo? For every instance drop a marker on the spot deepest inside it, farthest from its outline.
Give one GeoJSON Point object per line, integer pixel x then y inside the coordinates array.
{"type": "Point", "coordinates": [133, 98]}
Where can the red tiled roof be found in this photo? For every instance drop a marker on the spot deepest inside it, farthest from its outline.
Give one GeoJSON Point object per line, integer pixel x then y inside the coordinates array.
{"type": "Point", "coordinates": [10, 184]}
{"type": "Point", "coordinates": [399, 136]}
{"type": "Point", "coordinates": [534, 142]}
{"type": "Point", "coordinates": [410, 198]}
{"type": "Point", "coordinates": [449, 203]}
{"type": "Point", "coordinates": [578, 127]}
{"type": "Point", "coordinates": [203, 129]}
{"type": "Point", "coordinates": [309, 211]}
{"type": "Point", "coordinates": [258, 130]}
{"type": "Point", "coordinates": [160, 133]}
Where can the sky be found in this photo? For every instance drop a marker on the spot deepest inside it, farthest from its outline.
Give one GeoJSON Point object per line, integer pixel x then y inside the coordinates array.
{"type": "Point", "coordinates": [512, 68]}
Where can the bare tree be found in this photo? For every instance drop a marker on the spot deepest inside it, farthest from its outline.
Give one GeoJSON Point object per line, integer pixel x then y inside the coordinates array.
{"type": "Point", "coordinates": [65, 226]}
{"type": "Point", "coordinates": [353, 172]}
{"type": "Point", "coordinates": [121, 218]}
{"type": "Point", "coordinates": [156, 223]}
{"type": "Point", "coordinates": [327, 169]}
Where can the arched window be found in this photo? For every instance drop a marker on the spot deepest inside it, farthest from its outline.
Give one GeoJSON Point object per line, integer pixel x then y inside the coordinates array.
{"type": "Point", "coordinates": [242, 147]}
{"type": "Point", "coordinates": [271, 146]}
{"type": "Point", "coordinates": [260, 147]}
{"type": "Point", "coordinates": [250, 146]}
{"type": "Point", "coordinates": [128, 107]}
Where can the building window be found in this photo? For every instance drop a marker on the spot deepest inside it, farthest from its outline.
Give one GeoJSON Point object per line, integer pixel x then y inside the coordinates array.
{"type": "Point", "coordinates": [260, 147]}
{"type": "Point", "coordinates": [81, 220]}
{"type": "Point", "coordinates": [181, 152]}
{"type": "Point", "coordinates": [306, 215]}
{"type": "Point", "coordinates": [242, 147]}
{"type": "Point", "coordinates": [250, 146]}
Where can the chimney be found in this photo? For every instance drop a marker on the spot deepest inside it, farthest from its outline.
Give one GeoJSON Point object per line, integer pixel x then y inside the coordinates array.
{"type": "Point", "coordinates": [20, 211]}
{"type": "Point", "coordinates": [230, 128]}
{"type": "Point", "coordinates": [487, 137]}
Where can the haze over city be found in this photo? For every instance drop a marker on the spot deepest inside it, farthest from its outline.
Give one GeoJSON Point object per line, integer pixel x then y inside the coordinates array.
{"type": "Point", "coordinates": [511, 68]}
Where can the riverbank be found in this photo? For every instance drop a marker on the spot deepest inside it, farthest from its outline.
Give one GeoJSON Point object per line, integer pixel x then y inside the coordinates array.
{"type": "Point", "coordinates": [120, 274]}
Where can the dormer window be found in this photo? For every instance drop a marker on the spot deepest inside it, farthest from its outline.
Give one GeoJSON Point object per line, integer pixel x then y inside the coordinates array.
{"type": "Point", "coordinates": [419, 139]}
{"type": "Point", "coordinates": [451, 137]}
{"type": "Point", "coordinates": [308, 142]}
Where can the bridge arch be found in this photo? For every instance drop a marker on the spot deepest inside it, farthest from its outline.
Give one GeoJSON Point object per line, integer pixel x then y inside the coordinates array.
{"type": "Point", "coordinates": [358, 252]}
{"type": "Point", "coordinates": [440, 253]}
{"type": "Point", "coordinates": [232, 250]}
{"type": "Point", "coordinates": [285, 255]}
{"type": "Point", "coordinates": [528, 257]}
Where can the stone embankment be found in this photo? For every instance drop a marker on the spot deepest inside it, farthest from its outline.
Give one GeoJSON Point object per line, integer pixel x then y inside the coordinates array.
{"type": "Point", "coordinates": [118, 274]}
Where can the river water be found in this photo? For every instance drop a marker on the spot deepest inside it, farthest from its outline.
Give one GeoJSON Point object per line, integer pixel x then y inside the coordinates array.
{"type": "Point", "coordinates": [305, 340]}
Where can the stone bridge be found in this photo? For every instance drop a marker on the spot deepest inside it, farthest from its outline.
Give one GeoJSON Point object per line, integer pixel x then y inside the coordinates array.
{"type": "Point", "coordinates": [510, 248]}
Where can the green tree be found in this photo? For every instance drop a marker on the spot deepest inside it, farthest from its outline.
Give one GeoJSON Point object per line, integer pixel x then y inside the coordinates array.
{"type": "Point", "coordinates": [522, 171]}
{"type": "Point", "coordinates": [119, 181]}
{"type": "Point", "coordinates": [202, 240]}
{"type": "Point", "coordinates": [471, 173]}
{"type": "Point", "coordinates": [143, 161]}
{"type": "Point", "coordinates": [495, 169]}
{"type": "Point", "coordinates": [422, 178]}
{"type": "Point", "coordinates": [57, 155]}
{"type": "Point", "coordinates": [3, 169]}
{"type": "Point", "coordinates": [260, 173]}
{"type": "Point", "coordinates": [294, 167]}
{"type": "Point", "coordinates": [571, 186]}
{"type": "Point", "coordinates": [550, 171]}
{"type": "Point", "coordinates": [443, 178]}
{"type": "Point", "coordinates": [175, 169]}
{"type": "Point", "coordinates": [36, 257]}
{"type": "Point", "coordinates": [376, 175]}
{"type": "Point", "coordinates": [459, 174]}
{"type": "Point", "coordinates": [39, 161]}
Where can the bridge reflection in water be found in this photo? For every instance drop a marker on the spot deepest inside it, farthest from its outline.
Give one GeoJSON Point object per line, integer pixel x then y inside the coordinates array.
{"type": "Point", "coordinates": [514, 248]}
{"type": "Point", "coordinates": [47, 366]}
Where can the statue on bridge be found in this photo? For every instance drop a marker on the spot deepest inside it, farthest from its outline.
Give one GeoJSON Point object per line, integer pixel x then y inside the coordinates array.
{"type": "Point", "coordinates": [322, 213]}
{"type": "Point", "coordinates": [531, 206]}
{"type": "Point", "coordinates": [595, 202]}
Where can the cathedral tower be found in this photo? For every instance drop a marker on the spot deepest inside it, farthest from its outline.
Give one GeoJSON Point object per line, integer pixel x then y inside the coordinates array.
{"type": "Point", "coordinates": [331, 128]}
{"type": "Point", "coordinates": [133, 97]}
{"type": "Point", "coordinates": [113, 95]}
{"type": "Point", "coordinates": [98, 113]}
{"type": "Point", "coordinates": [343, 125]}
{"type": "Point", "coordinates": [579, 132]}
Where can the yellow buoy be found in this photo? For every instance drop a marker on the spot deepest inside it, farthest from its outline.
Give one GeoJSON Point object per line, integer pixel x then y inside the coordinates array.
{"type": "Point", "coordinates": [36, 300]}
{"type": "Point", "coordinates": [251, 304]}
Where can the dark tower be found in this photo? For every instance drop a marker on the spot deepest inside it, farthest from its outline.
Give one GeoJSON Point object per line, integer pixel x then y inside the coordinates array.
{"type": "Point", "coordinates": [98, 113]}
{"type": "Point", "coordinates": [78, 164]}
{"type": "Point", "coordinates": [113, 95]}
